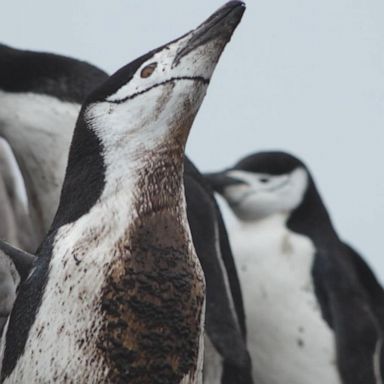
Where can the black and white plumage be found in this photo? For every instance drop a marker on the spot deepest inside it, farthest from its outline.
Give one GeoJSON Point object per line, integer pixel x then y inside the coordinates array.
{"type": "Point", "coordinates": [226, 356]}
{"type": "Point", "coordinates": [225, 319]}
{"type": "Point", "coordinates": [40, 99]}
{"type": "Point", "coordinates": [119, 248]}
{"type": "Point", "coordinates": [38, 115]}
{"type": "Point", "coordinates": [314, 308]}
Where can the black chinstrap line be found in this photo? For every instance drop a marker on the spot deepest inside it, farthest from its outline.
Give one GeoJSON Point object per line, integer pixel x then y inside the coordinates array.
{"type": "Point", "coordinates": [191, 78]}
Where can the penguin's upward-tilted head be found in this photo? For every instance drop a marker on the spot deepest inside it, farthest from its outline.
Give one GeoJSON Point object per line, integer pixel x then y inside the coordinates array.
{"type": "Point", "coordinates": [117, 276]}
{"type": "Point", "coordinates": [263, 184]}
{"type": "Point", "coordinates": [145, 109]}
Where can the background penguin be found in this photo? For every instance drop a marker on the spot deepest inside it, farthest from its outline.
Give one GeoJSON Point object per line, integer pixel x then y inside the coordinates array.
{"type": "Point", "coordinates": [21, 359]}
{"type": "Point", "coordinates": [314, 308]}
{"type": "Point", "coordinates": [40, 99]}
{"type": "Point", "coordinates": [55, 86]}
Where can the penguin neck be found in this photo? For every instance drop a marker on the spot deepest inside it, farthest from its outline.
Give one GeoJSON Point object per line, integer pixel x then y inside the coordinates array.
{"type": "Point", "coordinates": [138, 219]}
{"type": "Point", "coordinates": [159, 182]}
{"type": "Point", "coordinates": [150, 180]}
{"type": "Point", "coordinates": [277, 220]}
{"type": "Point", "coordinates": [311, 219]}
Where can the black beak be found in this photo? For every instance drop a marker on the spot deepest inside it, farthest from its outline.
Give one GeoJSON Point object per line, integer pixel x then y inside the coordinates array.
{"type": "Point", "coordinates": [218, 26]}
{"type": "Point", "coordinates": [220, 180]}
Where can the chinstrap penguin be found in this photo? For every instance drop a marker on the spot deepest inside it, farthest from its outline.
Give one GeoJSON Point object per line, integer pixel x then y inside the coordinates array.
{"type": "Point", "coordinates": [40, 99]}
{"type": "Point", "coordinates": [314, 308]}
{"type": "Point", "coordinates": [38, 112]}
{"type": "Point", "coordinates": [117, 292]}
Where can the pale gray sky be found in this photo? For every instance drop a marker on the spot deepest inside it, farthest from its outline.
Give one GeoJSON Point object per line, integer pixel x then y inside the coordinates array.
{"type": "Point", "coordinates": [306, 76]}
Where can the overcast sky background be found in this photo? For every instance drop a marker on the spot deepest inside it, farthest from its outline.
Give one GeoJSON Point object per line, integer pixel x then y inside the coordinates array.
{"type": "Point", "coordinates": [306, 76]}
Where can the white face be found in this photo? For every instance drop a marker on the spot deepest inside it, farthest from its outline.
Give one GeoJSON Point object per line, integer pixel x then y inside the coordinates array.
{"type": "Point", "coordinates": [261, 195]}
{"type": "Point", "coordinates": [164, 67]}
{"type": "Point", "coordinates": [159, 102]}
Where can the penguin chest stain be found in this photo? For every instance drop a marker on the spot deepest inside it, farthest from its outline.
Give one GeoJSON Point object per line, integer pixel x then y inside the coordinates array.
{"type": "Point", "coordinates": [152, 305]}
{"type": "Point", "coordinates": [288, 339]}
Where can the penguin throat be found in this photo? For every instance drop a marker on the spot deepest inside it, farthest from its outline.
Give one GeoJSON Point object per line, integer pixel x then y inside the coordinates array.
{"type": "Point", "coordinates": [154, 292]}
{"type": "Point", "coordinates": [159, 186]}
{"type": "Point", "coordinates": [154, 289]}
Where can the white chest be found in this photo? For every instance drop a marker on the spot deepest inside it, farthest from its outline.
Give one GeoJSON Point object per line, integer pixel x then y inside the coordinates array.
{"type": "Point", "coordinates": [60, 346]}
{"type": "Point", "coordinates": [287, 337]}
{"type": "Point", "coordinates": [63, 344]}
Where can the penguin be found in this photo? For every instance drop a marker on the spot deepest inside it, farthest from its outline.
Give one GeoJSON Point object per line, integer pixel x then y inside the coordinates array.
{"type": "Point", "coordinates": [55, 86]}
{"type": "Point", "coordinates": [116, 293]}
{"type": "Point", "coordinates": [314, 308]}
{"type": "Point", "coordinates": [40, 99]}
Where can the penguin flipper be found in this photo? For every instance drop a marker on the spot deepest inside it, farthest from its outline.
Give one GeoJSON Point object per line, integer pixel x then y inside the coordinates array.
{"type": "Point", "coordinates": [23, 260]}
{"type": "Point", "coordinates": [345, 306]}
{"type": "Point", "coordinates": [222, 326]}
{"type": "Point", "coordinates": [369, 282]}
{"type": "Point", "coordinates": [375, 294]}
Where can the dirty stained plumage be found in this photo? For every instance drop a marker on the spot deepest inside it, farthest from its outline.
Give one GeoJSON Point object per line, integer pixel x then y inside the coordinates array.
{"type": "Point", "coordinates": [99, 198]}
{"type": "Point", "coordinates": [35, 136]}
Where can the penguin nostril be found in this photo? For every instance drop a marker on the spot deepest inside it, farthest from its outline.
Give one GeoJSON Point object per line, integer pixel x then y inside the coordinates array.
{"type": "Point", "coordinates": [264, 180]}
{"type": "Point", "coordinates": [148, 70]}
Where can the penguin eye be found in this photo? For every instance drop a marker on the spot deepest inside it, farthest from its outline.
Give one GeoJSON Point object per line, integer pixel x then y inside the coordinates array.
{"type": "Point", "coordinates": [264, 180]}
{"type": "Point", "coordinates": [148, 70]}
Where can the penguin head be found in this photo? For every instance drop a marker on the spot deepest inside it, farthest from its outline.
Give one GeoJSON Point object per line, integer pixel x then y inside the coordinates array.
{"type": "Point", "coordinates": [263, 184]}
{"type": "Point", "coordinates": [133, 128]}
{"type": "Point", "coordinates": [156, 97]}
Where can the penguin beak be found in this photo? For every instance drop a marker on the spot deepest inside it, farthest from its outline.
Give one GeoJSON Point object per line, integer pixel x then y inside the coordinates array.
{"type": "Point", "coordinates": [220, 180]}
{"type": "Point", "coordinates": [218, 26]}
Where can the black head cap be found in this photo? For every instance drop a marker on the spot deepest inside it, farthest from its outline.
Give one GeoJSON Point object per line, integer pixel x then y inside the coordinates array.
{"type": "Point", "coordinates": [48, 74]}
{"type": "Point", "coordinates": [272, 163]}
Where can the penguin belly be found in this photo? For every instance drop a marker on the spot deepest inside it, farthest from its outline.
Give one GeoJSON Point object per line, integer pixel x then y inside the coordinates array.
{"type": "Point", "coordinates": [288, 339]}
